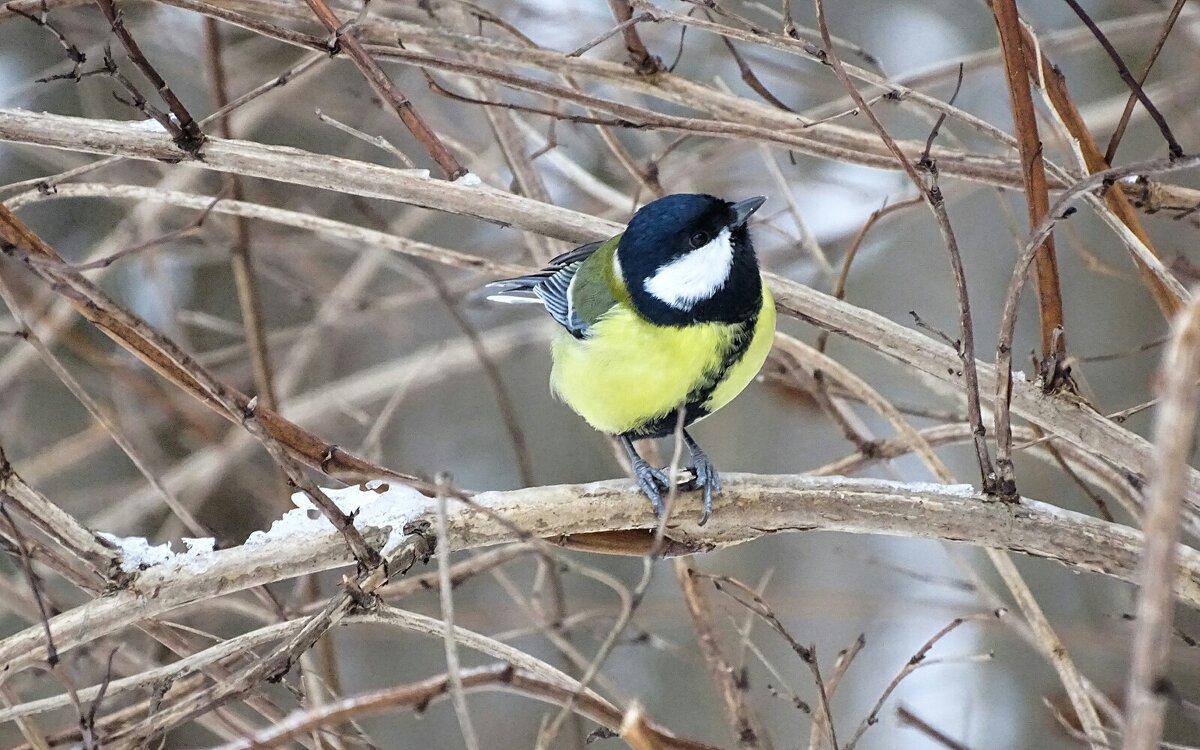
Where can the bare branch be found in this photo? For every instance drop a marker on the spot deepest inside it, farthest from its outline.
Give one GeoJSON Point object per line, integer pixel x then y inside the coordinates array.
{"type": "Point", "coordinates": [1135, 86]}
{"type": "Point", "coordinates": [748, 729]}
{"type": "Point", "coordinates": [344, 39]}
{"type": "Point", "coordinates": [1149, 687]}
{"type": "Point", "coordinates": [750, 506]}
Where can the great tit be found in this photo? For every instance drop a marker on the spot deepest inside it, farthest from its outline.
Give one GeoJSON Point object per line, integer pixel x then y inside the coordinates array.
{"type": "Point", "coordinates": [671, 314]}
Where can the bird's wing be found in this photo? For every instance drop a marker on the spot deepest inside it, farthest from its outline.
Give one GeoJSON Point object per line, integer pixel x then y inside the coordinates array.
{"type": "Point", "coordinates": [556, 289]}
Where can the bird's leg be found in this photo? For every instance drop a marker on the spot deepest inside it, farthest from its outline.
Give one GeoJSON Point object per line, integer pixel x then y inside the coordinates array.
{"type": "Point", "coordinates": [706, 475]}
{"type": "Point", "coordinates": [652, 481]}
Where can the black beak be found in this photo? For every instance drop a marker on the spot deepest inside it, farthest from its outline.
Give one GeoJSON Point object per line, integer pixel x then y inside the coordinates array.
{"type": "Point", "coordinates": [743, 209]}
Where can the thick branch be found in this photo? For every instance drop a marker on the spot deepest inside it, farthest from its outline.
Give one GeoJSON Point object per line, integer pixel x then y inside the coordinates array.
{"type": "Point", "coordinates": [750, 506]}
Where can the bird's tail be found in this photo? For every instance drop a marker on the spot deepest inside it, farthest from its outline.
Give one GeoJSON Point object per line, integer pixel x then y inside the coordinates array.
{"type": "Point", "coordinates": [516, 291]}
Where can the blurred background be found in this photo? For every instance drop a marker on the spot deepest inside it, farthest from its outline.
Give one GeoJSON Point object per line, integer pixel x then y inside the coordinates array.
{"type": "Point", "coordinates": [371, 349]}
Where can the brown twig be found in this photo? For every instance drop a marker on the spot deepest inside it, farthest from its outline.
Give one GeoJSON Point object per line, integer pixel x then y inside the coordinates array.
{"type": "Point", "coordinates": [937, 124]}
{"type": "Point", "coordinates": [1149, 687]}
{"type": "Point", "coordinates": [56, 523]}
{"type": "Point", "coordinates": [914, 663]}
{"type": "Point", "coordinates": [748, 730]}
{"type": "Point", "coordinates": [644, 63]}
{"type": "Point", "coordinates": [600, 39]}
{"type": "Point", "coordinates": [845, 658]}
{"type": "Point", "coordinates": [446, 600]}
{"type": "Point", "coordinates": [1119, 131]}
{"type": "Point", "coordinates": [1049, 77]}
{"type": "Point", "coordinates": [1018, 67]}
{"type": "Point", "coordinates": [839, 285]}
{"type": "Point", "coordinates": [31, 578]}
{"type": "Point", "coordinates": [367, 556]}
{"type": "Point", "coordinates": [908, 719]}
{"type": "Point", "coordinates": [101, 416]}
{"type": "Point", "coordinates": [1018, 64]}
{"type": "Point", "coordinates": [344, 39]}
{"type": "Point", "coordinates": [1135, 86]}
{"type": "Point", "coordinates": [73, 53]}
{"type": "Point", "coordinates": [751, 78]}
{"type": "Point", "coordinates": [416, 547]}
{"type": "Point", "coordinates": [163, 355]}
{"type": "Point", "coordinates": [637, 732]}
{"type": "Point", "coordinates": [504, 401]}
{"type": "Point", "coordinates": [754, 603]}
{"type": "Point", "coordinates": [1008, 319]}
{"type": "Point", "coordinates": [184, 130]}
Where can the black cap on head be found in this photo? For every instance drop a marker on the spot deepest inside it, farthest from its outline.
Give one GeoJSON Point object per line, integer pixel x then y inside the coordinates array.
{"type": "Point", "coordinates": [687, 258]}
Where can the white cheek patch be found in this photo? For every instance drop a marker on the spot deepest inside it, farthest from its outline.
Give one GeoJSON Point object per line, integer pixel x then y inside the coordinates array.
{"type": "Point", "coordinates": [696, 276]}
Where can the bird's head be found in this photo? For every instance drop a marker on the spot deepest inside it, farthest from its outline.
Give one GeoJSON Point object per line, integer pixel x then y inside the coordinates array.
{"type": "Point", "coordinates": [687, 258]}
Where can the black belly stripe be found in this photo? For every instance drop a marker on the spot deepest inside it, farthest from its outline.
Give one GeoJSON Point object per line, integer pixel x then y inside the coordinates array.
{"type": "Point", "coordinates": [664, 425]}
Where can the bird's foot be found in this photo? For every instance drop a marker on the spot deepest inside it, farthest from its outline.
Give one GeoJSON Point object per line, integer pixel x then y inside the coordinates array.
{"type": "Point", "coordinates": [704, 477]}
{"type": "Point", "coordinates": [653, 483]}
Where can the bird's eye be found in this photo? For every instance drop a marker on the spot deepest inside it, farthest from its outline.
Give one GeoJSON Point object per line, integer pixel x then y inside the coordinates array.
{"type": "Point", "coordinates": [700, 239]}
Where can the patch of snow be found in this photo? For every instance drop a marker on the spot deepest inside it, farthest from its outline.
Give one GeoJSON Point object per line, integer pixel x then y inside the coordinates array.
{"type": "Point", "coordinates": [149, 124]}
{"type": "Point", "coordinates": [137, 553]}
{"type": "Point", "coordinates": [468, 179]}
{"type": "Point", "coordinates": [1019, 377]}
{"type": "Point", "coordinates": [380, 504]}
{"type": "Point", "coordinates": [199, 554]}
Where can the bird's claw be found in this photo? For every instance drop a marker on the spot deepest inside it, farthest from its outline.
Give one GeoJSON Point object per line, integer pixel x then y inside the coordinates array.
{"type": "Point", "coordinates": [653, 484]}
{"type": "Point", "coordinates": [705, 477]}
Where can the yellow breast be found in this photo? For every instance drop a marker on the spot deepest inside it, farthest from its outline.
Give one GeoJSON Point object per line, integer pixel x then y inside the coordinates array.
{"type": "Point", "coordinates": [628, 372]}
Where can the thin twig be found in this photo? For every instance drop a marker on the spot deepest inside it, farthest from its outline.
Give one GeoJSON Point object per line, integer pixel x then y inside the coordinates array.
{"type": "Point", "coordinates": [748, 729]}
{"type": "Point", "coordinates": [1119, 132]}
{"type": "Point", "coordinates": [751, 79]}
{"type": "Point", "coordinates": [839, 285]}
{"type": "Point", "coordinates": [277, 435]}
{"type": "Point", "coordinates": [644, 63]}
{"type": "Point", "coordinates": [1135, 86]}
{"type": "Point", "coordinates": [752, 601]}
{"type": "Point", "coordinates": [1004, 380]}
{"type": "Point", "coordinates": [937, 125]}
{"type": "Point", "coordinates": [502, 677]}
{"type": "Point", "coordinates": [446, 599]}
{"type": "Point", "coordinates": [382, 85]}
{"type": "Point", "coordinates": [908, 719]}
{"type": "Point", "coordinates": [184, 129]}
{"type": "Point", "coordinates": [241, 258]}
{"type": "Point", "coordinates": [914, 663]}
{"type": "Point", "coordinates": [102, 417]}
{"type": "Point", "coordinates": [31, 578]}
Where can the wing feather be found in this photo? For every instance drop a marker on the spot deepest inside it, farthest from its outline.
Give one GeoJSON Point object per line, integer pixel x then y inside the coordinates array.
{"type": "Point", "coordinates": [552, 286]}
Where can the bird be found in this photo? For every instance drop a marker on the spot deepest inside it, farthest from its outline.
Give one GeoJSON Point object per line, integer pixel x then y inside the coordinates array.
{"type": "Point", "coordinates": [670, 315]}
